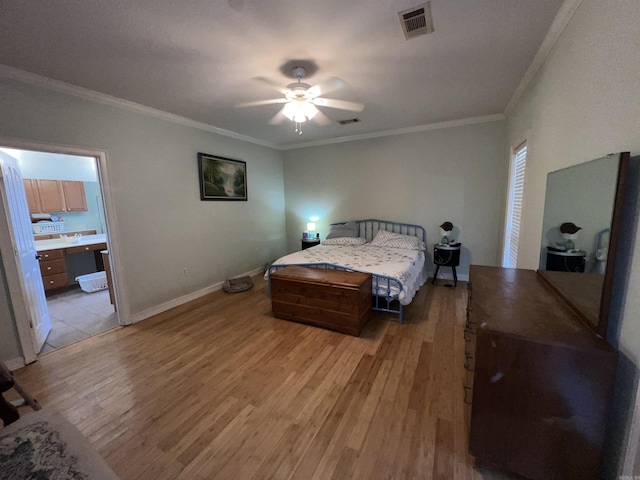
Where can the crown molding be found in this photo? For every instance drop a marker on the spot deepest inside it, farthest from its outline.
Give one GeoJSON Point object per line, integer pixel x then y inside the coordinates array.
{"type": "Point", "coordinates": [401, 131]}
{"type": "Point", "coordinates": [560, 22]}
{"type": "Point", "coordinates": [86, 94]}
{"type": "Point", "coordinates": [91, 95]}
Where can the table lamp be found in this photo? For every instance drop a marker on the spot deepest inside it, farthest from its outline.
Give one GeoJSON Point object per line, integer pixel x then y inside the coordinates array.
{"type": "Point", "coordinates": [569, 233]}
{"type": "Point", "coordinates": [445, 230]}
{"type": "Point", "coordinates": [311, 226]}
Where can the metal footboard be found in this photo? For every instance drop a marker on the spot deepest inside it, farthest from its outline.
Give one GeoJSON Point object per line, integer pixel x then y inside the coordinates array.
{"type": "Point", "coordinates": [382, 294]}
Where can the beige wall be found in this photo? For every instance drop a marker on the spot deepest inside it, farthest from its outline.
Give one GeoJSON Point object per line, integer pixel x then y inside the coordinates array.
{"type": "Point", "coordinates": [152, 163]}
{"type": "Point", "coordinates": [426, 178]}
{"type": "Point", "coordinates": [583, 104]}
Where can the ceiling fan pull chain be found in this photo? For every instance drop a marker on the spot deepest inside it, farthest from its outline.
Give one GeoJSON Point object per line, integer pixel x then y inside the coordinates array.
{"type": "Point", "coordinates": [298, 129]}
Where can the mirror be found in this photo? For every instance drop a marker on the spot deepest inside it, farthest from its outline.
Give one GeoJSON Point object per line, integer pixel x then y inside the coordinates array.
{"type": "Point", "coordinates": [579, 235]}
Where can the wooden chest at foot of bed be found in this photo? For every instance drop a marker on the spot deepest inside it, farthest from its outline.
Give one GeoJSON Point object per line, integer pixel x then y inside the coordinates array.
{"type": "Point", "coordinates": [333, 299]}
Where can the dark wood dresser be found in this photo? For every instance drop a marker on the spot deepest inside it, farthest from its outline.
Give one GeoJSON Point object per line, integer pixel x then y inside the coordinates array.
{"type": "Point", "coordinates": [334, 299]}
{"type": "Point", "coordinates": [539, 382]}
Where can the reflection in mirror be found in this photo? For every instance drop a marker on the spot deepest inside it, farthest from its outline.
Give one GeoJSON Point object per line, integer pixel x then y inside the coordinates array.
{"type": "Point", "coordinates": [577, 226]}
{"type": "Point", "coordinates": [583, 195]}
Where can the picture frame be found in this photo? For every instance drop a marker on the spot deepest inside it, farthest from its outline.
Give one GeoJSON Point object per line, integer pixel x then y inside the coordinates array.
{"type": "Point", "coordinates": [222, 178]}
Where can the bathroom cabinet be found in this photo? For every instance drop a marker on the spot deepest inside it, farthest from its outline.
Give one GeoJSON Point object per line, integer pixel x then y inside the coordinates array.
{"type": "Point", "coordinates": [55, 196]}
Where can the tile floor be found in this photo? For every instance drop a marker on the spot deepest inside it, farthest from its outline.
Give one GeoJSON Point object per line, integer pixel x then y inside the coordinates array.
{"type": "Point", "coordinates": [77, 315]}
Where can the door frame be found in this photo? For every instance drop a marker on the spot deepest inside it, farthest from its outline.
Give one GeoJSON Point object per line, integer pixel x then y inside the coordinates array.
{"type": "Point", "coordinates": [13, 280]}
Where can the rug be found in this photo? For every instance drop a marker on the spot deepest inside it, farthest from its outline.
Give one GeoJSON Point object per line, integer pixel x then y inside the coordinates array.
{"type": "Point", "coordinates": [44, 446]}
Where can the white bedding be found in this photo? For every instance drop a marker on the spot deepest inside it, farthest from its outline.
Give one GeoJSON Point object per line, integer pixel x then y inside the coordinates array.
{"type": "Point", "coordinates": [405, 265]}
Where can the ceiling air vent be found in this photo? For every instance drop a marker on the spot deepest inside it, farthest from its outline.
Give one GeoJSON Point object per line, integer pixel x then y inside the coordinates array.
{"type": "Point", "coordinates": [347, 122]}
{"type": "Point", "coordinates": [416, 21]}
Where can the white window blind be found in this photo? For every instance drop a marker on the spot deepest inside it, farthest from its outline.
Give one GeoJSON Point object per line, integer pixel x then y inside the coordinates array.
{"type": "Point", "coordinates": [514, 208]}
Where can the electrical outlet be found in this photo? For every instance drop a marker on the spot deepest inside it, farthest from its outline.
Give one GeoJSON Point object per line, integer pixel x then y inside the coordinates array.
{"type": "Point", "coordinates": [185, 272]}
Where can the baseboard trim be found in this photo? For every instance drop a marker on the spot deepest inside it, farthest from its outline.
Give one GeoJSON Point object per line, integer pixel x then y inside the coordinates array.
{"type": "Point", "coordinates": [462, 277]}
{"type": "Point", "coordinates": [176, 302]}
{"type": "Point", "coordinates": [15, 363]}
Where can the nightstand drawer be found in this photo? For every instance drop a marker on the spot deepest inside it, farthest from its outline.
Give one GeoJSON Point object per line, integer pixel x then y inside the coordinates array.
{"type": "Point", "coordinates": [446, 256]}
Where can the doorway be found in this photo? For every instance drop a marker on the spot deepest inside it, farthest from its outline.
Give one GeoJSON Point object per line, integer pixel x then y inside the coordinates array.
{"type": "Point", "coordinates": [64, 193]}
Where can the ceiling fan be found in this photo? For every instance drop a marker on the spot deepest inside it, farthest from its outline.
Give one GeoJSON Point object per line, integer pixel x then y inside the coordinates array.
{"type": "Point", "coordinates": [301, 100]}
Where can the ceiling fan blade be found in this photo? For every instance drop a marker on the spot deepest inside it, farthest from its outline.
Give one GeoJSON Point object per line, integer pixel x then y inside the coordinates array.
{"type": "Point", "coordinates": [271, 84]}
{"type": "Point", "coordinates": [340, 104]}
{"type": "Point", "coordinates": [321, 119]}
{"type": "Point", "coordinates": [323, 88]}
{"type": "Point", "coordinates": [261, 102]}
{"type": "Point", "coordinates": [278, 118]}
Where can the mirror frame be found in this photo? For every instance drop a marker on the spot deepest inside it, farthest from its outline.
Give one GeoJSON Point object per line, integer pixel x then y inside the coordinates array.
{"type": "Point", "coordinates": [614, 240]}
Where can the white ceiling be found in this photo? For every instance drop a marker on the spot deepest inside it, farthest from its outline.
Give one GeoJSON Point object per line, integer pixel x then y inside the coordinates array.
{"type": "Point", "coordinates": [197, 58]}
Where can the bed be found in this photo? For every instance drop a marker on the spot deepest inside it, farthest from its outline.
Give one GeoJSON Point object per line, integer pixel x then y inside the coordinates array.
{"type": "Point", "coordinates": [395, 258]}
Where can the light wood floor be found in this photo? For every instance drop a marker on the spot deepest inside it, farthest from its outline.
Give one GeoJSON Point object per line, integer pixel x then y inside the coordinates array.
{"type": "Point", "coordinates": [219, 389]}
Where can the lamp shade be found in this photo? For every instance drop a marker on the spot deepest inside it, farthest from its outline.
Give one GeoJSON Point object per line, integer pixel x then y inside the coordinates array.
{"type": "Point", "coordinates": [311, 226]}
{"type": "Point", "coordinates": [570, 228]}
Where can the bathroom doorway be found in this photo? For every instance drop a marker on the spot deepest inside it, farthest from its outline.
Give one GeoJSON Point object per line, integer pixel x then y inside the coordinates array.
{"type": "Point", "coordinates": [64, 193]}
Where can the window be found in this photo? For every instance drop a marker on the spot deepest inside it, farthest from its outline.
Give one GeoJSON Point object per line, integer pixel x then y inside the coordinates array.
{"type": "Point", "coordinates": [514, 206]}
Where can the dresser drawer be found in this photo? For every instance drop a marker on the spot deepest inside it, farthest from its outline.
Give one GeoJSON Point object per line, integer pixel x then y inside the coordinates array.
{"type": "Point", "coordinates": [87, 248]}
{"type": "Point", "coordinates": [51, 254]}
{"type": "Point", "coordinates": [54, 282]}
{"type": "Point", "coordinates": [52, 267]}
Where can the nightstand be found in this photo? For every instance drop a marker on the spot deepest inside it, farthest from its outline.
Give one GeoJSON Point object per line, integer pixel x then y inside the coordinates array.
{"type": "Point", "coordinates": [566, 261]}
{"type": "Point", "coordinates": [310, 242]}
{"type": "Point", "coordinates": [446, 256]}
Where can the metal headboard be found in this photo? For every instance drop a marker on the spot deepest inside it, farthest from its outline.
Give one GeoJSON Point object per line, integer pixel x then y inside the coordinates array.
{"type": "Point", "coordinates": [368, 228]}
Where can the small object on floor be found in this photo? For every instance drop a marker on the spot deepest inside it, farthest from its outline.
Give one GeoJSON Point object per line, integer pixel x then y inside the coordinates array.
{"type": "Point", "coordinates": [235, 285]}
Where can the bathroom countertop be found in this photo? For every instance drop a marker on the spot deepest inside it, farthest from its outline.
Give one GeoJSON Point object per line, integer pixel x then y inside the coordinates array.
{"type": "Point", "coordinates": [59, 243]}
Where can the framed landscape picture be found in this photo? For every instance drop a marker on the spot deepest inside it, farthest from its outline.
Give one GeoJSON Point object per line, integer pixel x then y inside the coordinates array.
{"type": "Point", "coordinates": [222, 178]}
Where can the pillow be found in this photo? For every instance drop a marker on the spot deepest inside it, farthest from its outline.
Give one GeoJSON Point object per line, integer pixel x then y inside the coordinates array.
{"type": "Point", "coordinates": [345, 241]}
{"type": "Point", "coordinates": [347, 229]}
{"type": "Point", "coordinates": [397, 240]}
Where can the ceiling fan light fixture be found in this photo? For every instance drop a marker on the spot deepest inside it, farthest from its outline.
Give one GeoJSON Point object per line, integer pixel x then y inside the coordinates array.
{"type": "Point", "coordinates": [309, 110]}
{"type": "Point", "coordinates": [299, 111]}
